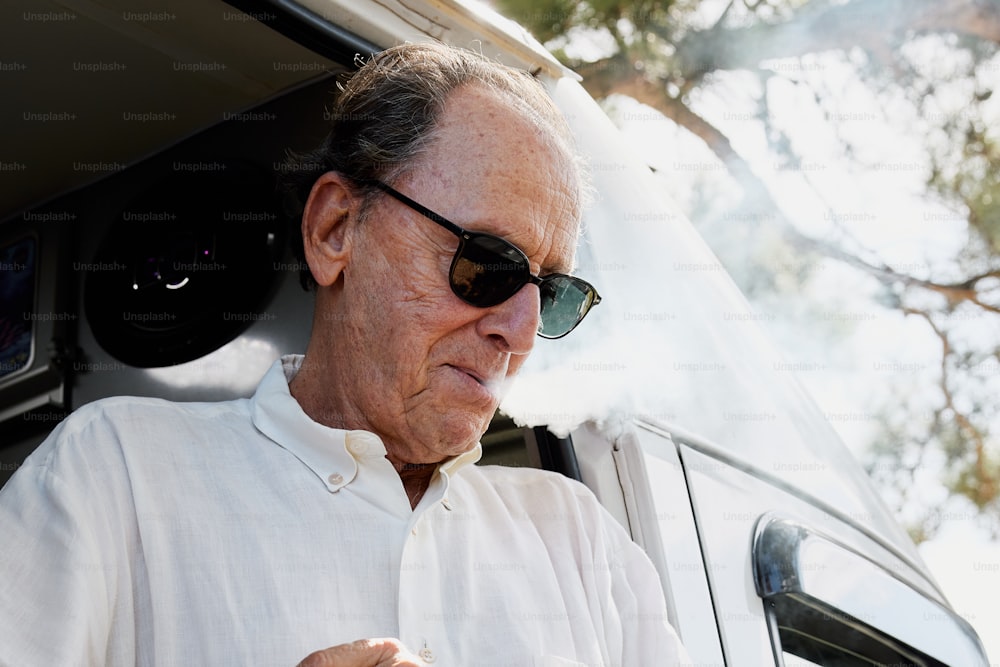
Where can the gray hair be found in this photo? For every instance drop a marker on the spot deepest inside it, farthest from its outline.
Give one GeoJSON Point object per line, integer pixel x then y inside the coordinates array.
{"type": "Point", "coordinates": [385, 116]}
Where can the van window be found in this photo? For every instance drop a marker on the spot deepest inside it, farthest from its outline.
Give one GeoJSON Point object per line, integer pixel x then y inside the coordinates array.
{"type": "Point", "coordinates": [809, 634]}
{"type": "Point", "coordinates": [506, 443]}
{"type": "Point", "coordinates": [829, 605]}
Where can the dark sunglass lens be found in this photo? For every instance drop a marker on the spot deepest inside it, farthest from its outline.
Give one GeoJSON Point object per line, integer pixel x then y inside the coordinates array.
{"type": "Point", "coordinates": [565, 301]}
{"type": "Point", "coordinates": [487, 270]}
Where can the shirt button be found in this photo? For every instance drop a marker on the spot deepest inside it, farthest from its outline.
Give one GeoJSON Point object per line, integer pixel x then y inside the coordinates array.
{"type": "Point", "coordinates": [357, 447]}
{"type": "Point", "coordinates": [362, 443]}
{"type": "Point", "coordinates": [427, 655]}
{"type": "Point", "coordinates": [335, 478]}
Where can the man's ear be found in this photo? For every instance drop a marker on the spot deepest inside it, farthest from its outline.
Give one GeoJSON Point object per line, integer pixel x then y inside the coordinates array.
{"type": "Point", "coordinates": [327, 221]}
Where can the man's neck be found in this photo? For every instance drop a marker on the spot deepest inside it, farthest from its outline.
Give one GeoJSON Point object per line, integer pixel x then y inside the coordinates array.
{"type": "Point", "coordinates": [416, 477]}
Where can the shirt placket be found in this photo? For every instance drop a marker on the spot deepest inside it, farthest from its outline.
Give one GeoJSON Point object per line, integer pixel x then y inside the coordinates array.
{"type": "Point", "coordinates": [422, 607]}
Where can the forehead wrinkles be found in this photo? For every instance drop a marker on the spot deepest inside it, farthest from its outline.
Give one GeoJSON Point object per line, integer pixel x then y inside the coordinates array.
{"type": "Point", "coordinates": [552, 238]}
{"type": "Point", "coordinates": [505, 173]}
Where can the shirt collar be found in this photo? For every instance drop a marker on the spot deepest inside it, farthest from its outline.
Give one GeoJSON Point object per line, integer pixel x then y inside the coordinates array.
{"type": "Point", "coordinates": [332, 454]}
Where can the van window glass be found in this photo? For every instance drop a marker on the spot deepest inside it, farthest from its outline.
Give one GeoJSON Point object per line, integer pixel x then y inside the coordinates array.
{"type": "Point", "coordinates": [807, 633]}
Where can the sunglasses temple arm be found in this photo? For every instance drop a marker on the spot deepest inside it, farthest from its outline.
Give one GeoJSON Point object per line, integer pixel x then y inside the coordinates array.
{"type": "Point", "coordinates": [419, 208]}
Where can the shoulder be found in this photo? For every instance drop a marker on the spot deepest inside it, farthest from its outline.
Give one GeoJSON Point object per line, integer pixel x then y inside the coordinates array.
{"type": "Point", "coordinates": [527, 480]}
{"type": "Point", "coordinates": [538, 493]}
{"type": "Point", "coordinates": [126, 408]}
{"type": "Point", "coordinates": [123, 415]}
{"type": "Point", "coordinates": [97, 431]}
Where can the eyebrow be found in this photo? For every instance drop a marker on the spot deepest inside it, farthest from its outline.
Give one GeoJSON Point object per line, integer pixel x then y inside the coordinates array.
{"type": "Point", "coordinates": [558, 267]}
{"type": "Point", "coordinates": [564, 267]}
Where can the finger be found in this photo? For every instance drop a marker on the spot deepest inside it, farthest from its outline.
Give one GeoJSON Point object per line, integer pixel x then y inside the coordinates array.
{"type": "Point", "coordinates": [380, 652]}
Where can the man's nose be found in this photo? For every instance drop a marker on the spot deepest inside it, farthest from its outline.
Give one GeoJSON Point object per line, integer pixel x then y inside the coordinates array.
{"type": "Point", "coordinates": [513, 323]}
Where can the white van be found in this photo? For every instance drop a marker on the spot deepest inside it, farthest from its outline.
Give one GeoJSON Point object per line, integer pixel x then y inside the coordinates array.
{"type": "Point", "coordinates": [772, 546]}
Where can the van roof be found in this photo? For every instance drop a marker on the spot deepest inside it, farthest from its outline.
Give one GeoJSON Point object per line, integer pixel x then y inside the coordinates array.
{"type": "Point", "coordinates": [125, 83]}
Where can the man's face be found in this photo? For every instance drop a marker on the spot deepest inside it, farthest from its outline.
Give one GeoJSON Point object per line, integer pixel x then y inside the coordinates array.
{"type": "Point", "coordinates": [427, 370]}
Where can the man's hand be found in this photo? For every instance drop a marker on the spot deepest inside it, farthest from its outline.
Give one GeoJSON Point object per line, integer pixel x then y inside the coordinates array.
{"type": "Point", "coordinates": [385, 652]}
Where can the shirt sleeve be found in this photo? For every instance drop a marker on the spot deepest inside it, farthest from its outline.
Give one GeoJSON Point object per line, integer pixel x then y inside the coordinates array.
{"type": "Point", "coordinates": [639, 623]}
{"type": "Point", "coordinates": [59, 579]}
{"type": "Point", "coordinates": [647, 636]}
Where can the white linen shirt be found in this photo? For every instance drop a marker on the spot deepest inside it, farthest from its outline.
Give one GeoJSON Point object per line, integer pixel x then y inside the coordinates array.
{"type": "Point", "coordinates": [145, 532]}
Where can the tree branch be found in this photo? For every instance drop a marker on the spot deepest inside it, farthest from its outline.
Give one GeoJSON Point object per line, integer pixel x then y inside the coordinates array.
{"type": "Point", "coordinates": [986, 488]}
{"type": "Point", "coordinates": [606, 77]}
{"type": "Point", "coordinates": [820, 27]}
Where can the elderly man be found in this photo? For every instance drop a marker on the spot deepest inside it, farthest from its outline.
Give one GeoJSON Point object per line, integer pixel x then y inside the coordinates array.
{"type": "Point", "coordinates": [339, 506]}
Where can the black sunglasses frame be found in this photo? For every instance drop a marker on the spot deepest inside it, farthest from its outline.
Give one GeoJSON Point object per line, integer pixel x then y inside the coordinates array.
{"type": "Point", "coordinates": [465, 236]}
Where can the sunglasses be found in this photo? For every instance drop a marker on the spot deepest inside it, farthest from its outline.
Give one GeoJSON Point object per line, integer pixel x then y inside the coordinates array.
{"type": "Point", "coordinates": [488, 270]}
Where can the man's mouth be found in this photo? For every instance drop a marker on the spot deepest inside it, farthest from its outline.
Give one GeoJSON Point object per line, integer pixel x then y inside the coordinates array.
{"type": "Point", "coordinates": [492, 385]}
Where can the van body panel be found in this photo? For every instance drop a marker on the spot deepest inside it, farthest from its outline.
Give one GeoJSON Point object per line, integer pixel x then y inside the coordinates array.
{"type": "Point", "coordinates": [662, 506]}
{"type": "Point", "coordinates": [469, 25]}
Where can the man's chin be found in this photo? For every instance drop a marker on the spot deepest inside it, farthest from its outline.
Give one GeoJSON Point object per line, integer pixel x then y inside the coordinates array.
{"type": "Point", "coordinates": [458, 434]}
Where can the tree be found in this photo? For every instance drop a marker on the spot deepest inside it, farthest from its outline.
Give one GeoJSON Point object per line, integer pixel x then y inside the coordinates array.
{"type": "Point", "coordinates": [916, 58]}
